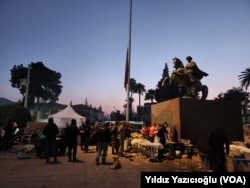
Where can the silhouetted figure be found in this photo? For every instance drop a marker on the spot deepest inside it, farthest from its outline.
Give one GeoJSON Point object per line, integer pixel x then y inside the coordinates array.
{"type": "Point", "coordinates": [40, 144]}
{"type": "Point", "coordinates": [87, 132]}
{"type": "Point", "coordinates": [162, 138]}
{"type": "Point", "coordinates": [81, 129]}
{"type": "Point", "coordinates": [219, 144]}
{"type": "Point", "coordinates": [8, 134]}
{"type": "Point", "coordinates": [71, 133]}
{"type": "Point", "coordinates": [103, 134]}
{"type": "Point", "coordinates": [93, 134]}
{"type": "Point", "coordinates": [63, 142]}
{"type": "Point", "coordinates": [51, 131]}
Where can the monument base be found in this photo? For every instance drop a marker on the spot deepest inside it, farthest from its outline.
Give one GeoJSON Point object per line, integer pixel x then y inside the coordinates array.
{"type": "Point", "coordinates": [195, 119]}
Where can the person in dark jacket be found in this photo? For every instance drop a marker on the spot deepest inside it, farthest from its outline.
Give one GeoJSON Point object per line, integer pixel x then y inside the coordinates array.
{"type": "Point", "coordinates": [219, 144]}
{"type": "Point", "coordinates": [87, 132]}
{"type": "Point", "coordinates": [50, 132]}
{"type": "Point", "coordinates": [103, 135]}
{"type": "Point", "coordinates": [63, 142]}
{"type": "Point", "coordinates": [162, 138]}
{"type": "Point", "coordinates": [81, 130]}
{"type": "Point", "coordinates": [8, 134]}
{"type": "Point", "coordinates": [71, 134]}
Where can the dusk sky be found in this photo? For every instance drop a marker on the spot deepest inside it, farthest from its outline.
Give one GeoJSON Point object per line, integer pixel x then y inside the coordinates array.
{"type": "Point", "coordinates": [86, 41]}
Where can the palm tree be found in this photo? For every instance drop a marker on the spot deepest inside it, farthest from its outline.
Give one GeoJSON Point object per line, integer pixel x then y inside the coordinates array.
{"type": "Point", "coordinates": [132, 89]}
{"type": "Point", "coordinates": [140, 89]}
{"type": "Point", "coordinates": [150, 95]}
{"type": "Point", "coordinates": [245, 78]}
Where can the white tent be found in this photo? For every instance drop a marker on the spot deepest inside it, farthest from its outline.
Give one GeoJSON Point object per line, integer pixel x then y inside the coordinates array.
{"type": "Point", "coordinates": [66, 115]}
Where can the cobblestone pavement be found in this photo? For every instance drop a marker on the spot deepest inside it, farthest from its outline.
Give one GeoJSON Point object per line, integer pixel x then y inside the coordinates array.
{"type": "Point", "coordinates": [34, 172]}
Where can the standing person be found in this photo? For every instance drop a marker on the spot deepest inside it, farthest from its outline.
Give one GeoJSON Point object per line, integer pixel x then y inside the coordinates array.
{"type": "Point", "coordinates": [219, 143]}
{"type": "Point", "coordinates": [71, 133]}
{"type": "Point", "coordinates": [50, 132]}
{"type": "Point", "coordinates": [8, 134]}
{"type": "Point", "coordinates": [103, 135]}
{"type": "Point", "coordinates": [143, 131]}
{"type": "Point", "coordinates": [87, 132]}
{"type": "Point", "coordinates": [81, 130]}
{"type": "Point", "coordinates": [16, 133]}
{"type": "Point", "coordinates": [115, 141]}
{"type": "Point", "coordinates": [63, 142]}
{"type": "Point", "coordinates": [40, 144]}
{"type": "Point", "coordinates": [2, 132]}
{"type": "Point", "coordinates": [93, 134]}
{"type": "Point", "coordinates": [152, 130]}
{"type": "Point", "coordinates": [162, 138]}
{"type": "Point", "coordinates": [129, 131]}
{"type": "Point", "coordinates": [121, 135]}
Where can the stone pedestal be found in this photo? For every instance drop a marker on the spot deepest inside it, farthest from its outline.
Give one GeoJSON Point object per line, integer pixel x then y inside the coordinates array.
{"type": "Point", "coordinates": [195, 119]}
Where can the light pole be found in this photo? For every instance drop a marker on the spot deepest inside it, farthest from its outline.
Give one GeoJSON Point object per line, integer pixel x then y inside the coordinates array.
{"type": "Point", "coordinates": [27, 87]}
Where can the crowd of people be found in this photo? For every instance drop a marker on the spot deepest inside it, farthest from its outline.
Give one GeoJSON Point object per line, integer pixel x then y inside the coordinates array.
{"type": "Point", "coordinates": [218, 143]}
{"type": "Point", "coordinates": [54, 141]}
{"type": "Point", "coordinates": [159, 133]}
{"type": "Point", "coordinates": [149, 131]}
{"type": "Point", "coordinates": [64, 141]}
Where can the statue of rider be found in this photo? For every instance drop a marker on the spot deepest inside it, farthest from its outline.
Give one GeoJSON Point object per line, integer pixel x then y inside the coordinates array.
{"type": "Point", "coordinates": [193, 71]}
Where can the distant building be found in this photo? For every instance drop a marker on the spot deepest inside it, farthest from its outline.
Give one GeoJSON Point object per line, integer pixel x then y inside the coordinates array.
{"type": "Point", "coordinates": [41, 111]}
{"type": "Point", "coordinates": [144, 112]}
{"type": "Point", "coordinates": [91, 114]}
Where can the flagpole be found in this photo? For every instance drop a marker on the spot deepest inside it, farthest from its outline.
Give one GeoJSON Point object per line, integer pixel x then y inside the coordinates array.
{"type": "Point", "coordinates": [129, 59]}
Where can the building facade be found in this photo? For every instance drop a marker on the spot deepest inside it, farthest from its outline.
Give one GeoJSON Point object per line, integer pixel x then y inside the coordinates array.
{"type": "Point", "coordinates": [41, 111]}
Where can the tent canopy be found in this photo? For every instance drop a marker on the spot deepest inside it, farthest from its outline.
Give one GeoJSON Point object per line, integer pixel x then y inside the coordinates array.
{"type": "Point", "coordinates": [66, 115]}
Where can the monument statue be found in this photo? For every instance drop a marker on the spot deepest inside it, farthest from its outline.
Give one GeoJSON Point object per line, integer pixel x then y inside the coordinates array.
{"type": "Point", "coordinates": [188, 77]}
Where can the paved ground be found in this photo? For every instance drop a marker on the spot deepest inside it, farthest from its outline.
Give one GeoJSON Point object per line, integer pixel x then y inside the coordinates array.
{"type": "Point", "coordinates": [34, 172]}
